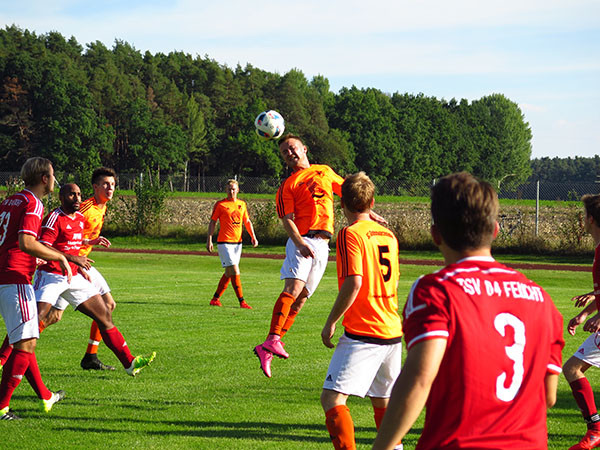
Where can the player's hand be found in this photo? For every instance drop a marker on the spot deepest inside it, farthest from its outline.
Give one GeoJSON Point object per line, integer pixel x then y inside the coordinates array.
{"type": "Point", "coordinates": [209, 246]}
{"type": "Point", "coordinates": [100, 240]}
{"type": "Point", "coordinates": [85, 275]}
{"type": "Point", "coordinates": [306, 251]}
{"type": "Point", "coordinates": [582, 301]}
{"type": "Point", "coordinates": [377, 218]}
{"type": "Point", "coordinates": [575, 322]}
{"type": "Point", "coordinates": [326, 335]}
{"type": "Point", "coordinates": [593, 324]}
{"type": "Point", "coordinates": [66, 268]}
{"type": "Point", "coordinates": [254, 242]}
{"type": "Point", "coordinates": [82, 261]}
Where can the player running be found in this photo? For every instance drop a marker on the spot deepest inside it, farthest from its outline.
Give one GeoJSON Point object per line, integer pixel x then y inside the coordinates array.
{"type": "Point", "coordinates": [231, 213]}
{"type": "Point", "coordinates": [62, 230]}
{"type": "Point", "coordinates": [588, 354]}
{"type": "Point", "coordinates": [305, 207]}
{"type": "Point", "coordinates": [368, 356]}
{"type": "Point", "coordinates": [20, 218]}
{"type": "Point", "coordinates": [484, 342]}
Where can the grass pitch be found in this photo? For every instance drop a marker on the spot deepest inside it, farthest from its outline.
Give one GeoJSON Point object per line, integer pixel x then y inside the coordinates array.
{"type": "Point", "coordinates": [205, 389]}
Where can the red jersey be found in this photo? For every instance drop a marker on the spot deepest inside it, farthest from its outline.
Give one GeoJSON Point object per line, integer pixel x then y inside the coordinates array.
{"type": "Point", "coordinates": [231, 214]}
{"type": "Point", "coordinates": [370, 250]}
{"type": "Point", "coordinates": [504, 335]}
{"type": "Point", "coordinates": [596, 276]}
{"type": "Point", "coordinates": [19, 213]}
{"type": "Point", "coordinates": [64, 233]}
{"type": "Point", "coordinates": [308, 193]}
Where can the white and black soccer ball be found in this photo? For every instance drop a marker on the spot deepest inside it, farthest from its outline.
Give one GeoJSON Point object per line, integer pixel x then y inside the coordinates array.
{"type": "Point", "coordinates": [269, 125]}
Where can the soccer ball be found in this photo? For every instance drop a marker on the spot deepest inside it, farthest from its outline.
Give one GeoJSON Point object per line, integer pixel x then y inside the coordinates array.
{"type": "Point", "coordinates": [269, 125]}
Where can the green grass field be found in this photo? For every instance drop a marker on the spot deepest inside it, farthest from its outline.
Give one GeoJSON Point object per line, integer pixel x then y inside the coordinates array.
{"type": "Point", "coordinates": [205, 390]}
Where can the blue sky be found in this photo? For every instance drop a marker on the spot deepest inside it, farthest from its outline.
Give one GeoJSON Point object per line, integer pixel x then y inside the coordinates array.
{"type": "Point", "coordinates": [544, 55]}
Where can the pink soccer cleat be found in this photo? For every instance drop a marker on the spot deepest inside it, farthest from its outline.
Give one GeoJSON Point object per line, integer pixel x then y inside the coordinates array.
{"type": "Point", "coordinates": [275, 346]}
{"type": "Point", "coordinates": [265, 359]}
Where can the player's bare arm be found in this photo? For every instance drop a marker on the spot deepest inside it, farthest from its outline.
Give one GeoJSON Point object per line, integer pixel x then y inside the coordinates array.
{"type": "Point", "coordinates": [551, 385]}
{"type": "Point", "coordinates": [593, 324]}
{"type": "Point", "coordinates": [580, 318]}
{"type": "Point", "coordinates": [377, 218]}
{"type": "Point", "coordinates": [100, 240]}
{"type": "Point", "coordinates": [30, 245]}
{"type": "Point", "coordinates": [583, 300]}
{"type": "Point", "coordinates": [82, 261]}
{"type": "Point", "coordinates": [209, 233]}
{"type": "Point", "coordinates": [346, 296]}
{"type": "Point", "coordinates": [250, 230]}
{"type": "Point", "coordinates": [292, 231]}
{"type": "Point", "coordinates": [410, 391]}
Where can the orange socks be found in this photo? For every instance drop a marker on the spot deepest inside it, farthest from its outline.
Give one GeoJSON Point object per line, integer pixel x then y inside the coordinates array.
{"type": "Point", "coordinates": [95, 339]}
{"type": "Point", "coordinates": [289, 321]}
{"type": "Point", "coordinates": [281, 311]}
{"type": "Point", "coordinates": [223, 283]}
{"type": "Point", "coordinates": [341, 428]}
{"type": "Point", "coordinates": [237, 286]}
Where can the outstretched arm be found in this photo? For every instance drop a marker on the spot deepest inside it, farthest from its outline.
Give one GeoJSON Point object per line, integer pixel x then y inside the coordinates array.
{"type": "Point", "coordinates": [410, 391]}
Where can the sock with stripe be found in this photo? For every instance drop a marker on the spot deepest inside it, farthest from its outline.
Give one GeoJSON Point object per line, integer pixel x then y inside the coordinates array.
{"type": "Point", "coordinates": [584, 397]}
{"type": "Point", "coordinates": [341, 428]}
{"type": "Point", "coordinates": [115, 341]}
{"type": "Point", "coordinates": [95, 339]}
{"type": "Point", "coordinates": [12, 374]}
{"type": "Point", "coordinates": [281, 311]}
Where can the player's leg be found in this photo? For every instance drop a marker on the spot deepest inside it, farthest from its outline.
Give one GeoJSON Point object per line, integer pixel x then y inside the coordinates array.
{"type": "Point", "coordinates": [5, 350]}
{"type": "Point", "coordinates": [97, 309]}
{"type": "Point", "coordinates": [574, 370]}
{"type": "Point", "coordinates": [236, 282]}
{"type": "Point", "coordinates": [338, 419]}
{"type": "Point", "coordinates": [90, 360]}
{"type": "Point", "coordinates": [294, 310]}
{"type": "Point", "coordinates": [18, 309]}
{"type": "Point", "coordinates": [221, 287]}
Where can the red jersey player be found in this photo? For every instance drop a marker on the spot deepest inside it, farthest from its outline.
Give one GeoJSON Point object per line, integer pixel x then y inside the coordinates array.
{"type": "Point", "coordinates": [484, 343]}
{"type": "Point", "coordinates": [20, 218]}
{"type": "Point", "coordinates": [588, 354]}
{"type": "Point", "coordinates": [62, 230]}
{"type": "Point", "coordinates": [368, 356]}
{"type": "Point", "coordinates": [232, 214]}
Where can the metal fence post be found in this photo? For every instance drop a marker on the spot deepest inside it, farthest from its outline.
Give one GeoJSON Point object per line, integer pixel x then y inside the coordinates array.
{"type": "Point", "coordinates": [537, 207]}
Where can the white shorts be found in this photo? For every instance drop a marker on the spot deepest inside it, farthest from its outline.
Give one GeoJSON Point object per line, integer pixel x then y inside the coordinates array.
{"type": "Point", "coordinates": [230, 254]}
{"type": "Point", "coordinates": [589, 351]}
{"type": "Point", "coordinates": [360, 368]}
{"type": "Point", "coordinates": [50, 287]}
{"type": "Point", "coordinates": [309, 270]}
{"type": "Point", "coordinates": [97, 280]}
{"type": "Point", "coordinates": [19, 311]}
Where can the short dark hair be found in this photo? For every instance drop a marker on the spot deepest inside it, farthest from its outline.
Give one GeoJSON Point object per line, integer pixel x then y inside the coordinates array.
{"type": "Point", "coordinates": [591, 203]}
{"type": "Point", "coordinates": [287, 137]}
{"type": "Point", "coordinates": [34, 169]}
{"type": "Point", "coordinates": [464, 209]}
{"type": "Point", "coordinates": [358, 192]}
{"type": "Point", "coordinates": [101, 172]}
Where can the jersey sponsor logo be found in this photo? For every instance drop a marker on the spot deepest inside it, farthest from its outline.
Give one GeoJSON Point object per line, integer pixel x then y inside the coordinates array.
{"type": "Point", "coordinates": [373, 233]}
{"type": "Point", "coordinates": [12, 202]}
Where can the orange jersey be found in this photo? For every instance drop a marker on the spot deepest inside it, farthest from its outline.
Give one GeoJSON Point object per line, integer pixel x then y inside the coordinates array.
{"type": "Point", "coordinates": [308, 193]}
{"type": "Point", "coordinates": [370, 250]}
{"type": "Point", "coordinates": [231, 214]}
{"type": "Point", "coordinates": [93, 214]}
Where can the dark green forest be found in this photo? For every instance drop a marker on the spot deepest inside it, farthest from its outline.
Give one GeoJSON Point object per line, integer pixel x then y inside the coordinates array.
{"type": "Point", "coordinates": [82, 106]}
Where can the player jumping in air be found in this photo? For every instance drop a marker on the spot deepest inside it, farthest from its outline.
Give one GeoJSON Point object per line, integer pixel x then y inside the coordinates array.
{"type": "Point", "coordinates": [62, 230]}
{"type": "Point", "coordinates": [305, 207]}
{"type": "Point", "coordinates": [368, 356]}
{"type": "Point", "coordinates": [231, 213]}
{"type": "Point", "coordinates": [484, 342]}
{"type": "Point", "coordinates": [588, 354]}
{"type": "Point", "coordinates": [20, 219]}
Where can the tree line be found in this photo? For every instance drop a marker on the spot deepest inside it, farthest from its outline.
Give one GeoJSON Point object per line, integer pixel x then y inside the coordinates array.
{"type": "Point", "coordinates": [178, 113]}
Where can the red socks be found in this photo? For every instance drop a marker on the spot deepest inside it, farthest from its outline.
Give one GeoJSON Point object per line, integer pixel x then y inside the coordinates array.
{"type": "Point", "coordinates": [19, 364]}
{"type": "Point", "coordinates": [223, 283]}
{"type": "Point", "coordinates": [584, 397]}
{"type": "Point", "coordinates": [237, 286]}
{"type": "Point", "coordinates": [115, 341]}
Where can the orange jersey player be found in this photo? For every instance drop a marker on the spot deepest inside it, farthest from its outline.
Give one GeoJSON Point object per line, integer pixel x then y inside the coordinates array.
{"type": "Point", "coordinates": [368, 356]}
{"type": "Point", "coordinates": [305, 207]}
{"type": "Point", "coordinates": [232, 214]}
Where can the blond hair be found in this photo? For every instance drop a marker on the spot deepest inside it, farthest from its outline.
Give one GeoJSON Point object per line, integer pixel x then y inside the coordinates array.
{"type": "Point", "coordinates": [358, 192]}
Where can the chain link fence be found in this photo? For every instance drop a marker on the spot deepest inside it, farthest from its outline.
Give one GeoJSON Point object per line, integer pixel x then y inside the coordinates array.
{"type": "Point", "coordinates": [253, 185]}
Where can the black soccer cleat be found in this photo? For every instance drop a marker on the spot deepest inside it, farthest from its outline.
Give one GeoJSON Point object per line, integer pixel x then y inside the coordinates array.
{"type": "Point", "coordinates": [8, 415]}
{"type": "Point", "coordinates": [91, 362]}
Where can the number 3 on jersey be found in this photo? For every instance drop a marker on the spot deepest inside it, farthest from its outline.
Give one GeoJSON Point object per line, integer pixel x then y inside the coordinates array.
{"type": "Point", "coordinates": [514, 353]}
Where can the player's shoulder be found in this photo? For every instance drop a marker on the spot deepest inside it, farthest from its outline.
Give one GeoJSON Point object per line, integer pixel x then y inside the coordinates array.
{"type": "Point", "coordinates": [87, 204]}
